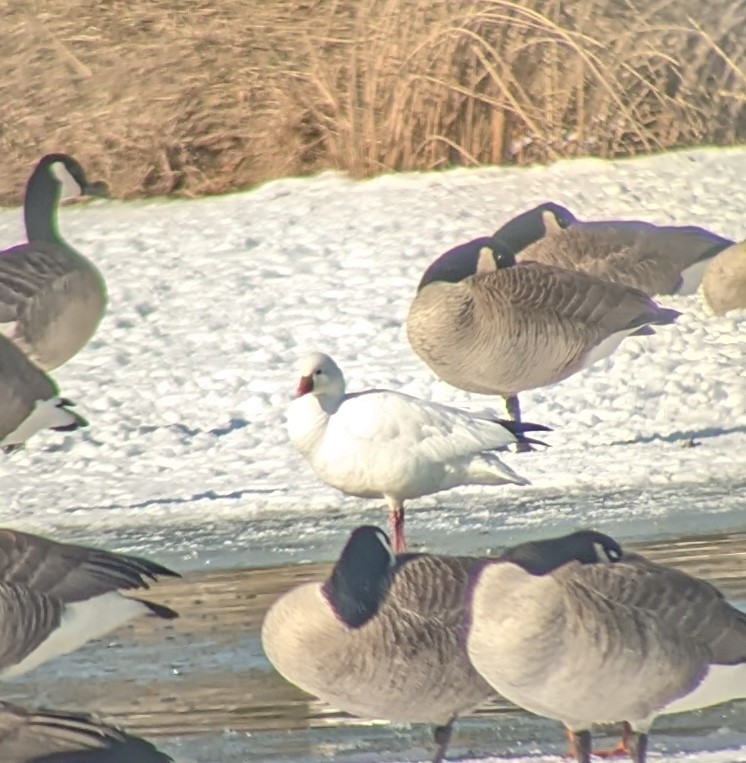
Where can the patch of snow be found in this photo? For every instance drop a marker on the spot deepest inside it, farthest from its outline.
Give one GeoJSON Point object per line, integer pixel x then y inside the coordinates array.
{"type": "Point", "coordinates": [213, 300]}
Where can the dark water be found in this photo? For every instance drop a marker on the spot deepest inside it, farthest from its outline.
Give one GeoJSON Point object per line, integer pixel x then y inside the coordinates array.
{"type": "Point", "coordinates": [201, 688]}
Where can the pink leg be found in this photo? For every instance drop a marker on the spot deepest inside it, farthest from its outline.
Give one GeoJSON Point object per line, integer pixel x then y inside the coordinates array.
{"type": "Point", "coordinates": [396, 521]}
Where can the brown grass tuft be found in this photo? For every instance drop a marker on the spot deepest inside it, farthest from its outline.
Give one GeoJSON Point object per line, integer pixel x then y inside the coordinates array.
{"type": "Point", "coordinates": [163, 97]}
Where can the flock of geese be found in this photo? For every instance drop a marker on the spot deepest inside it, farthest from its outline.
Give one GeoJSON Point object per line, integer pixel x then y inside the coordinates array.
{"type": "Point", "coordinates": [574, 628]}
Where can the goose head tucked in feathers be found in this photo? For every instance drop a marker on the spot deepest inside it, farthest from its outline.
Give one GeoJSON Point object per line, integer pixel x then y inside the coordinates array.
{"type": "Point", "coordinates": [533, 224]}
{"type": "Point", "coordinates": [542, 557]}
{"type": "Point", "coordinates": [482, 255]}
{"type": "Point", "coordinates": [357, 585]}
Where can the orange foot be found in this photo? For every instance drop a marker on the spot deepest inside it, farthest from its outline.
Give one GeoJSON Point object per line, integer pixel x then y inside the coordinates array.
{"type": "Point", "coordinates": [622, 748]}
{"type": "Point", "coordinates": [620, 751]}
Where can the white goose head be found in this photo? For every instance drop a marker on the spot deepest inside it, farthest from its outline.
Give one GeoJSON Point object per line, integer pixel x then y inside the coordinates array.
{"type": "Point", "coordinates": [321, 377]}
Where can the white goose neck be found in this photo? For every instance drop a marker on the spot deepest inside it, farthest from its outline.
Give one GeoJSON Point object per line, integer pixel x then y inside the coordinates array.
{"type": "Point", "coordinates": [307, 418]}
{"type": "Point", "coordinates": [330, 402]}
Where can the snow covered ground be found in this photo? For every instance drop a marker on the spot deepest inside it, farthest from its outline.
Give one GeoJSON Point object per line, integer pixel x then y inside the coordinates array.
{"type": "Point", "coordinates": [212, 301]}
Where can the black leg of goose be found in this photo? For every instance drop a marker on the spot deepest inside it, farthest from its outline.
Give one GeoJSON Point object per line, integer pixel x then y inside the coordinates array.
{"type": "Point", "coordinates": [581, 742]}
{"type": "Point", "coordinates": [513, 407]}
{"type": "Point", "coordinates": [442, 736]}
{"type": "Point", "coordinates": [638, 747]}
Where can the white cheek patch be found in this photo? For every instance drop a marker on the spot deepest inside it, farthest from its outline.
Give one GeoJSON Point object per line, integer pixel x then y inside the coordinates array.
{"type": "Point", "coordinates": [604, 555]}
{"type": "Point", "coordinates": [70, 188]}
{"type": "Point", "coordinates": [486, 261]}
{"type": "Point", "coordinates": [385, 543]}
{"type": "Point", "coordinates": [551, 223]}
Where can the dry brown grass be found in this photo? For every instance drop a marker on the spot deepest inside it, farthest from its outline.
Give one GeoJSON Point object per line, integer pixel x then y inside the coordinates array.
{"type": "Point", "coordinates": [167, 97]}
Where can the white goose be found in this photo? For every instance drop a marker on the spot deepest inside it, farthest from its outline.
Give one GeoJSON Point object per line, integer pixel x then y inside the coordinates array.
{"type": "Point", "coordinates": [381, 443]}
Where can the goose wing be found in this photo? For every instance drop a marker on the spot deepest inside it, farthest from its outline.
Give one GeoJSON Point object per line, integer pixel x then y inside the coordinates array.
{"type": "Point", "coordinates": [71, 572]}
{"type": "Point", "coordinates": [416, 427]}
{"type": "Point", "coordinates": [641, 256]}
{"type": "Point", "coordinates": [682, 244]}
{"type": "Point", "coordinates": [573, 297]}
{"type": "Point", "coordinates": [436, 586]}
{"type": "Point", "coordinates": [31, 736]}
{"type": "Point", "coordinates": [684, 607]}
{"type": "Point", "coordinates": [27, 269]}
{"type": "Point", "coordinates": [21, 384]}
{"type": "Point", "coordinates": [26, 620]}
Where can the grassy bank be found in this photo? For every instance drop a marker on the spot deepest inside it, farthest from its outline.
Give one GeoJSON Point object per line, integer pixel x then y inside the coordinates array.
{"type": "Point", "coordinates": [162, 96]}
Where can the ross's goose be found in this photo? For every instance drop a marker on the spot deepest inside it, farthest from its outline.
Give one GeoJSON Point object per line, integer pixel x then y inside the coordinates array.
{"type": "Point", "coordinates": [381, 443]}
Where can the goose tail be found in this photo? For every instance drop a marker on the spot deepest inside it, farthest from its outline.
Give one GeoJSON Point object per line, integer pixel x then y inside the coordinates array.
{"type": "Point", "coordinates": [519, 428]}
{"type": "Point", "coordinates": [69, 420]}
{"type": "Point", "coordinates": [160, 610]}
{"type": "Point", "coordinates": [663, 316]}
{"type": "Point", "coordinates": [666, 316]}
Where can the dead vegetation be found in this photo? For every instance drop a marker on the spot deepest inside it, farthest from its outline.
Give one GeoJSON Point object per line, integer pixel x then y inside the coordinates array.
{"type": "Point", "coordinates": [166, 97]}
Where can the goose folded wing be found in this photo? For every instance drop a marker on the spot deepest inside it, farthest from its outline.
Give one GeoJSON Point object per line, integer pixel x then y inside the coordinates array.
{"type": "Point", "coordinates": [25, 270]}
{"type": "Point", "coordinates": [66, 737]}
{"type": "Point", "coordinates": [70, 572]}
{"type": "Point", "coordinates": [680, 604]}
{"type": "Point", "coordinates": [21, 384]}
{"type": "Point", "coordinates": [27, 618]}
{"type": "Point", "coordinates": [421, 428]}
{"type": "Point", "coordinates": [574, 297]}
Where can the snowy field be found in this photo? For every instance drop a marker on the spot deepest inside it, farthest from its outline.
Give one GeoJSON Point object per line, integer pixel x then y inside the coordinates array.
{"type": "Point", "coordinates": [213, 300]}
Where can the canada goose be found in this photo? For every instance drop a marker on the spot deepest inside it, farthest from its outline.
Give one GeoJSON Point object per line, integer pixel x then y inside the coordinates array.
{"type": "Point", "coordinates": [382, 637]}
{"type": "Point", "coordinates": [29, 400]}
{"type": "Point", "coordinates": [51, 297]}
{"type": "Point", "coordinates": [616, 639]}
{"type": "Point", "coordinates": [381, 443]}
{"type": "Point", "coordinates": [47, 736]}
{"type": "Point", "coordinates": [57, 596]}
{"type": "Point", "coordinates": [487, 324]}
{"type": "Point", "coordinates": [656, 259]}
{"type": "Point", "coordinates": [724, 284]}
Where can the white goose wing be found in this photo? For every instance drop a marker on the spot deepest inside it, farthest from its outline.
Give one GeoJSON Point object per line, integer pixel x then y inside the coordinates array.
{"type": "Point", "coordinates": [414, 427]}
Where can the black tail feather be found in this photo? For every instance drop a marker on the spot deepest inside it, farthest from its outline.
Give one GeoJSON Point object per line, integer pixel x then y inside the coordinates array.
{"type": "Point", "coordinates": [159, 610]}
{"type": "Point", "coordinates": [666, 315]}
{"type": "Point", "coordinates": [73, 425]}
{"type": "Point", "coordinates": [531, 441]}
{"type": "Point", "coordinates": [519, 427]}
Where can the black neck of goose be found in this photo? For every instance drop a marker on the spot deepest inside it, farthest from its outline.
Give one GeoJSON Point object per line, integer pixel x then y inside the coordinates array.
{"type": "Point", "coordinates": [519, 233]}
{"type": "Point", "coordinates": [40, 207]}
{"type": "Point", "coordinates": [542, 557]}
{"type": "Point", "coordinates": [354, 593]}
